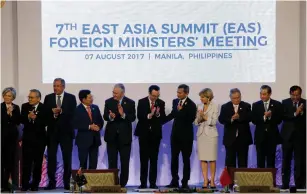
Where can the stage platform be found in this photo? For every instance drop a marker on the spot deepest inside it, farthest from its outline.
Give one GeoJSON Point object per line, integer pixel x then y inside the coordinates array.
{"type": "Point", "coordinates": [132, 189]}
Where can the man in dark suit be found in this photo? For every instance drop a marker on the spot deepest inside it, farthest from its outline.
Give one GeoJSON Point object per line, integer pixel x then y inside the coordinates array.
{"type": "Point", "coordinates": [119, 111]}
{"type": "Point", "coordinates": [60, 107]}
{"type": "Point", "coordinates": [151, 115]}
{"type": "Point", "coordinates": [266, 115]}
{"type": "Point", "coordinates": [88, 121]}
{"type": "Point", "coordinates": [10, 119]}
{"type": "Point", "coordinates": [293, 134]}
{"type": "Point", "coordinates": [235, 116]}
{"type": "Point", "coordinates": [33, 117]}
{"type": "Point", "coordinates": [183, 113]}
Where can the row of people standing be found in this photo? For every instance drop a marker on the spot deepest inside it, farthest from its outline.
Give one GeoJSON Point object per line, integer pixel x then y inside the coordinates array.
{"type": "Point", "coordinates": [61, 117]}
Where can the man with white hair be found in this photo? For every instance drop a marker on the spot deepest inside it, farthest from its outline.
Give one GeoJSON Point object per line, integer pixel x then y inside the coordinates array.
{"type": "Point", "coordinates": [119, 112]}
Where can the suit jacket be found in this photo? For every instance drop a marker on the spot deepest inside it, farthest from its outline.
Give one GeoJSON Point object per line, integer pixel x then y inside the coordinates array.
{"type": "Point", "coordinates": [149, 127]}
{"type": "Point", "coordinates": [269, 125]}
{"type": "Point", "coordinates": [183, 120]}
{"type": "Point", "coordinates": [86, 137]}
{"type": "Point", "coordinates": [62, 125]}
{"type": "Point", "coordinates": [120, 128]}
{"type": "Point", "coordinates": [241, 125]}
{"type": "Point", "coordinates": [34, 131]}
{"type": "Point", "coordinates": [293, 123]}
{"type": "Point", "coordinates": [9, 124]}
{"type": "Point", "coordinates": [207, 127]}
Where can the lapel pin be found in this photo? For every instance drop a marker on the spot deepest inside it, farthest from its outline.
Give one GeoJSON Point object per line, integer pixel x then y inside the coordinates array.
{"type": "Point", "coordinates": [124, 102]}
{"type": "Point", "coordinates": [185, 103]}
{"type": "Point", "coordinates": [240, 108]}
{"type": "Point", "coordinates": [271, 104]}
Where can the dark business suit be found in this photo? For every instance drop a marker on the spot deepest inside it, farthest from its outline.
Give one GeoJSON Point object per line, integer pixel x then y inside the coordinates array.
{"type": "Point", "coordinates": [266, 134]}
{"type": "Point", "coordinates": [293, 133]}
{"type": "Point", "coordinates": [237, 134]}
{"type": "Point", "coordinates": [9, 142]}
{"type": "Point", "coordinates": [149, 132]}
{"type": "Point", "coordinates": [33, 144]}
{"type": "Point", "coordinates": [182, 138]}
{"type": "Point", "coordinates": [118, 135]}
{"type": "Point", "coordinates": [60, 131]}
{"type": "Point", "coordinates": [88, 141]}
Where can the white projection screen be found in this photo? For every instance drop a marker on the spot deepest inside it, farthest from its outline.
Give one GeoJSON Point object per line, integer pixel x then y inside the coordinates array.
{"type": "Point", "coordinates": [159, 41]}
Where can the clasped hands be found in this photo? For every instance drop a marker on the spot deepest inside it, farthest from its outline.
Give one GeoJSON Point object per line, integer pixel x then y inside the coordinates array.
{"type": "Point", "coordinates": [32, 115]}
{"type": "Point", "coordinates": [56, 111]}
{"type": "Point", "coordinates": [203, 115]}
{"type": "Point", "coordinates": [10, 110]}
{"type": "Point", "coordinates": [120, 111]}
{"type": "Point", "coordinates": [94, 127]}
{"type": "Point", "coordinates": [154, 111]}
{"type": "Point", "coordinates": [299, 109]}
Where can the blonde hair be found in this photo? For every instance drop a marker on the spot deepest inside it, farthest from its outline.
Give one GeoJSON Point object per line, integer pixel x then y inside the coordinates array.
{"type": "Point", "coordinates": [207, 92]}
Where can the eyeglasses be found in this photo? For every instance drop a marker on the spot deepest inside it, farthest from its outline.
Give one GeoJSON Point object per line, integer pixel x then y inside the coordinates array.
{"type": "Point", "coordinates": [31, 97]}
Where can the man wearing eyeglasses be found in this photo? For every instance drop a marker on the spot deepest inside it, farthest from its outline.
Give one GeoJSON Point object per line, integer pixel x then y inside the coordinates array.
{"type": "Point", "coordinates": [151, 115]}
{"type": "Point", "coordinates": [293, 133]}
{"type": "Point", "coordinates": [33, 117]}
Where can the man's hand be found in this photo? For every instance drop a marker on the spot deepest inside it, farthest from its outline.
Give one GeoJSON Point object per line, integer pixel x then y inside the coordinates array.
{"type": "Point", "coordinates": [235, 116]}
{"type": "Point", "coordinates": [111, 114]}
{"type": "Point", "coordinates": [94, 127]}
{"type": "Point", "coordinates": [299, 109]}
{"type": "Point", "coordinates": [57, 110]}
{"type": "Point", "coordinates": [268, 114]}
{"type": "Point", "coordinates": [31, 115]}
{"type": "Point", "coordinates": [120, 110]}
{"type": "Point", "coordinates": [158, 111]}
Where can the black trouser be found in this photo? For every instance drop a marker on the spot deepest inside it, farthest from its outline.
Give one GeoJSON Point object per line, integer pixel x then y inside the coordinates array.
{"type": "Point", "coordinates": [66, 148]}
{"type": "Point", "coordinates": [32, 157]}
{"type": "Point", "coordinates": [124, 151]}
{"type": "Point", "coordinates": [149, 150]}
{"type": "Point", "coordinates": [185, 147]}
{"type": "Point", "coordinates": [235, 150]}
{"type": "Point", "coordinates": [266, 151]}
{"type": "Point", "coordinates": [91, 153]}
{"type": "Point", "coordinates": [290, 147]}
{"type": "Point", "coordinates": [8, 162]}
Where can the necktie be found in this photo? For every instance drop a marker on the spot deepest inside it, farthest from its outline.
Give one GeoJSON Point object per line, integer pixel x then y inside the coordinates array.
{"type": "Point", "coordinates": [152, 105]}
{"type": "Point", "coordinates": [235, 108]}
{"type": "Point", "coordinates": [295, 105]}
{"type": "Point", "coordinates": [58, 102]}
{"type": "Point", "coordinates": [266, 106]}
{"type": "Point", "coordinates": [89, 112]}
{"type": "Point", "coordinates": [180, 103]}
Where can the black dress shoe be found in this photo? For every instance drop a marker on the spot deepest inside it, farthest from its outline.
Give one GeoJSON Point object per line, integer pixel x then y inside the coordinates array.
{"type": "Point", "coordinates": [142, 186]}
{"type": "Point", "coordinates": [24, 189]}
{"type": "Point", "coordinates": [153, 186]}
{"type": "Point", "coordinates": [66, 187]}
{"type": "Point", "coordinates": [50, 187]}
{"type": "Point", "coordinates": [173, 185]}
{"type": "Point", "coordinates": [34, 189]}
{"type": "Point", "coordinates": [284, 187]}
{"type": "Point", "coordinates": [185, 186]}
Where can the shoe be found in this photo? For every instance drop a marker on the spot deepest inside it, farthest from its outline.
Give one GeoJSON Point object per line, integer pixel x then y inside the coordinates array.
{"type": "Point", "coordinates": [142, 186]}
{"type": "Point", "coordinates": [66, 187]}
{"type": "Point", "coordinates": [205, 186]}
{"type": "Point", "coordinates": [24, 189]}
{"type": "Point", "coordinates": [153, 186]}
{"type": "Point", "coordinates": [50, 187]}
{"type": "Point", "coordinates": [34, 188]}
{"type": "Point", "coordinates": [173, 185]}
{"type": "Point", "coordinates": [185, 186]}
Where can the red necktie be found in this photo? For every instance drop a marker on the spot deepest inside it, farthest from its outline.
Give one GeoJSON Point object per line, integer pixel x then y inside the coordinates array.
{"type": "Point", "coordinates": [152, 105]}
{"type": "Point", "coordinates": [89, 112]}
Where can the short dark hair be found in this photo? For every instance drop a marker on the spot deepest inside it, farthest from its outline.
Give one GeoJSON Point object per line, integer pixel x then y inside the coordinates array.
{"type": "Point", "coordinates": [153, 87]}
{"type": "Point", "coordinates": [266, 87]}
{"type": "Point", "coordinates": [38, 93]}
{"type": "Point", "coordinates": [294, 88]}
{"type": "Point", "coordinates": [185, 88]}
{"type": "Point", "coordinates": [61, 80]}
{"type": "Point", "coordinates": [83, 94]}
